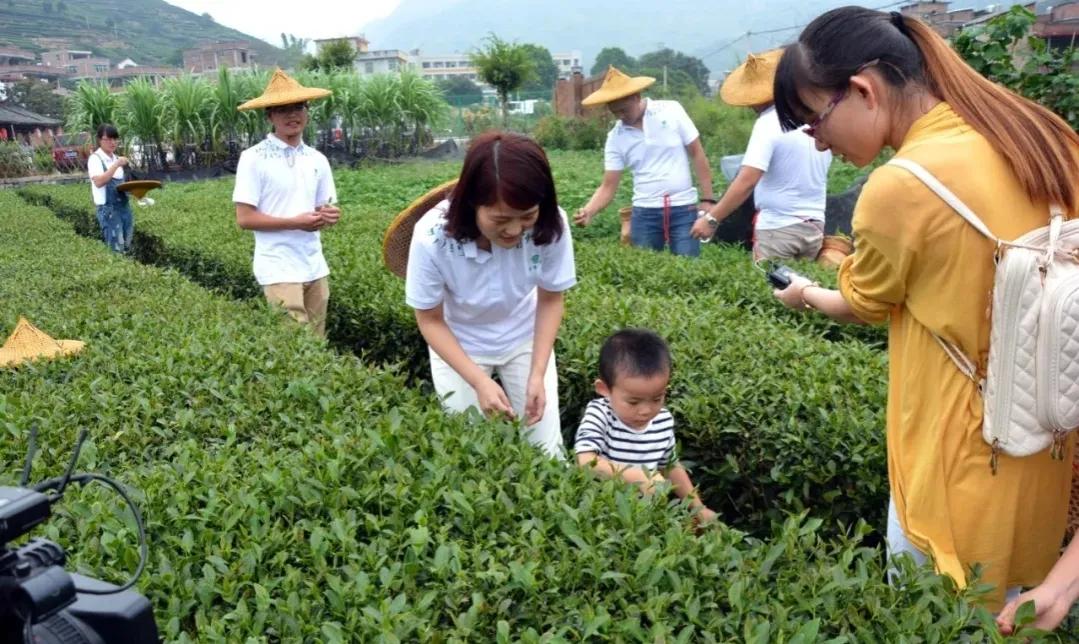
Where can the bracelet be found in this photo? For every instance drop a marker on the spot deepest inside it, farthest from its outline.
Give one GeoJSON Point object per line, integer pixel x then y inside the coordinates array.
{"type": "Point", "coordinates": [802, 296]}
{"type": "Point", "coordinates": [709, 200]}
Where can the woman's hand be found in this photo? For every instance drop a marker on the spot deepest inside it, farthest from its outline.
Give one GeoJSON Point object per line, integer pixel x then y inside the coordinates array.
{"type": "Point", "coordinates": [493, 400]}
{"type": "Point", "coordinates": [1051, 606]}
{"type": "Point", "coordinates": [535, 400]}
{"type": "Point", "coordinates": [791, 297]}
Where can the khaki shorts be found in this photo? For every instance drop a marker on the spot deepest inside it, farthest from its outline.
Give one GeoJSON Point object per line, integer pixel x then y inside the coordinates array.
{"type": "Point", "coordinates": [797, 241]}
{"type": "Point", "coordinates": [305, 302]}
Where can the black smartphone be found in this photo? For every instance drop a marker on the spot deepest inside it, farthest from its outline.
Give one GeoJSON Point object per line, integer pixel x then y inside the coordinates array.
{"type": "Point", "coordinates": [780, 276]}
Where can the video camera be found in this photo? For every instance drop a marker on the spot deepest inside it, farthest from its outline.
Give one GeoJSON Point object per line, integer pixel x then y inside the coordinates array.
{"type": "Point", "coordinates": [42, 603]}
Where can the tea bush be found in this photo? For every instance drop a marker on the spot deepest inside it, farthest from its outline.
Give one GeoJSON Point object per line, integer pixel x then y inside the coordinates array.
{"type": "Point", "coordinates": [293, 494]}
{"type": "Point", "coordinates": [780, 412]}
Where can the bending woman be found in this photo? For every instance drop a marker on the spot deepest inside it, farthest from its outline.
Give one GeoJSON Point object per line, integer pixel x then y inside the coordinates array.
{"type": "Point", "coordinates": [486, 272]}
{"type": "Point", "coordinates": [862, 81]}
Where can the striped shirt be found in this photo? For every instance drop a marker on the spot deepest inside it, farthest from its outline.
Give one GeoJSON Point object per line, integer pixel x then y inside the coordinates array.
{"type": "Point", "coordinates": [601, 431]}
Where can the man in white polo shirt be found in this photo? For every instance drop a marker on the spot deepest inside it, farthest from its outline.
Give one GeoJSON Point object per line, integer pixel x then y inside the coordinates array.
{"type": "Point", "coordinates": [656, 141]}
{"type": "Point", "coordinates": [285, 193]}
{"type": "Point", "coordinates": [784, 171]}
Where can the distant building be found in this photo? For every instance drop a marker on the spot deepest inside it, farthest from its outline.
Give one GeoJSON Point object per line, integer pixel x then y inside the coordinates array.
{"type": "Point", "coordinates": [446, 66]}
{"type": "Point", "coordinates": [210, 57]}
{"type": "Point", "coordinates": [78, 63]}
{"type": "Point", "coordinates": [383, 61]}
{"type": "Point", "coordinates": [17, 64]}
{"type": "Point", "coordinates": [1059, 25]}
{"type": "Point", "coordinates": [359, 43]}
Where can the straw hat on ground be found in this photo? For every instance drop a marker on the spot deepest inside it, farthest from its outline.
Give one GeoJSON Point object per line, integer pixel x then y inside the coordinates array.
{"type": "Point", "coordinates": [27, 343]}
{"type": "Point", "coordinates": [617, 85]}
{"type": "Point", "coordinates": [139, 187]}
{"type": "Point", "coordinates": [284, 90]}
{"type": "Point", "coordinates": [751, 83]}
{"type": "Point", "coordinates": [398, 237]}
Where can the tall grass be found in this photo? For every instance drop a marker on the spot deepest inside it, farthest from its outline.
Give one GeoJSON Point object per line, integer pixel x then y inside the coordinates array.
{"type": "Point", "coordinates": [193, 120]}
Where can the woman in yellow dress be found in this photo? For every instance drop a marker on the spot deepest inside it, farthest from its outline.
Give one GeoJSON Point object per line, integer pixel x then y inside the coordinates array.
{"type": "Point", "coordinates": [861, 81]}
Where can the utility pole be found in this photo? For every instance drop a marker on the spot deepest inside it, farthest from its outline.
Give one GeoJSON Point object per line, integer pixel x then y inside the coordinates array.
{"type": "Point", "coordinates": [664, 78]}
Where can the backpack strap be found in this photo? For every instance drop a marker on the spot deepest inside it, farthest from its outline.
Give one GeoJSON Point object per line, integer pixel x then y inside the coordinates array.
{"type": "Point", "coordinates": [966, 366]}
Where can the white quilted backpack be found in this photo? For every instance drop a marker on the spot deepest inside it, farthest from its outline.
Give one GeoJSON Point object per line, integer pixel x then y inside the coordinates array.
{"type": "Point", "coordinates": [1030, 387]}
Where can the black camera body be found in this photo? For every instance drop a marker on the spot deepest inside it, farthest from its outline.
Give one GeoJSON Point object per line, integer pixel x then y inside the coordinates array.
{"type": "Point", "coordinates": [40, 602]}
{"type": "Point", "coordinates": [780, 276]}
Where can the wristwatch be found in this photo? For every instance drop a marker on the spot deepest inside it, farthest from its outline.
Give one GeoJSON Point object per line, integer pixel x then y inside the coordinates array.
{"type": "Point", "coordinates": [710, 219]}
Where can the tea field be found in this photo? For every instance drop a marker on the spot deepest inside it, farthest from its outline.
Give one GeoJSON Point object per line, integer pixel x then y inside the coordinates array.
{"type": "Point", "coordinates": [300, 492]}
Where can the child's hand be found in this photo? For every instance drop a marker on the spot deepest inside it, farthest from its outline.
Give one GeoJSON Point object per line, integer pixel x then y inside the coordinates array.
{"type": "Point", "coordinates": [706, 515]}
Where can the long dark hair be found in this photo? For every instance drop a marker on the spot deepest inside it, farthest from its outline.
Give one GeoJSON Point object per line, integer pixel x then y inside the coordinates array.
{"type": "Point", "coordinates": [1041, 148]}
{"type": "Point", "coordinates": [506, 167]}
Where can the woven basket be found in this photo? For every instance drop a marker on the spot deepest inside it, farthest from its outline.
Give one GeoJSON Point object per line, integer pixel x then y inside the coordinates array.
{"type": "Point", "coordinates": [624, 214]}
{"type": "Point", "coordinates": [398, 237]}
{"type": "Point", "coordinates": [833, 250]}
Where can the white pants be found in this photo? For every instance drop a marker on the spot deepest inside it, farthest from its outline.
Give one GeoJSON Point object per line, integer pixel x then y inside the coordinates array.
{"type": "Point", "coordinates": [512, 369]}
{"type": "Point", "coordinates": [898, 543]}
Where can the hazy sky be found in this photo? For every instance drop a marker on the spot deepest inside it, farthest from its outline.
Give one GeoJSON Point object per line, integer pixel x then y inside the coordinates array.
{"type": "Point", "coordinates": [306, 19]}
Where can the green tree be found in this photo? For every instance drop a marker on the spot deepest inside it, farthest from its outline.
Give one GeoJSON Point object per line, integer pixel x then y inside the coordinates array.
{"type": "Point", "coordinates": [614, 56]}
{"type": "Point", "coordinates": [675, 60]}
{"type": "Point", "coordinates": [1005, 51]}
{"type": "Point", "coordinates": [546, 69]}
{"type": "Point", "coordinates": [338, 54]}
{"type": "Point", "coordinates": [36, 96]}
{"type": "Point", "coordinates": [460, 87]}
{"type": "Point", "coordinates": [504, 66]}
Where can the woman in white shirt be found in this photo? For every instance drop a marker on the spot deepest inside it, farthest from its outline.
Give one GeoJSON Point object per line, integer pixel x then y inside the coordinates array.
{"type": "Point", "coordinates": [106, 171]}
{"type": "Point", "coordinates": [487, 269]}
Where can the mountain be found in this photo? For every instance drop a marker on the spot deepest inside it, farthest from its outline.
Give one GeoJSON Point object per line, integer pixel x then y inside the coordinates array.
{"type": "Point", "coordinates": [150, 32]}
{"type": "Point", "coordinates": [713, 31]}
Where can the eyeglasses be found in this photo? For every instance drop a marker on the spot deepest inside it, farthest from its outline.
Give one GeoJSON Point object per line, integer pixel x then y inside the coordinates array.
{"type": "Point", "coordinates": [811, 128]}
{"type": "Point", "coordinates": [289, 109]}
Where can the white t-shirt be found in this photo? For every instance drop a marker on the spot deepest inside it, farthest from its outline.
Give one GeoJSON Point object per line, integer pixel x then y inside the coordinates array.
{"type": "Point", "coordinates": [795, 182]}
{"type": "Point", "coordinates": [488, 297]}
{"type": "Point", "coordinates": [283, 181]}
{"type": "Point", "coordinates": [656, 155]}
{"type": "Point", "coordinates": [98, 164]}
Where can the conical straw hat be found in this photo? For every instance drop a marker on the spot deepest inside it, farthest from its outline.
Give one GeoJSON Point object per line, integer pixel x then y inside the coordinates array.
{"type": "Point", "coordinates": [27, 342]}
{"type": "Point", "coordinates": [398, 237]}
{"type": "Point", "coordinates": [751, 83]}
{"type": "Point", "coordinates": [284, 90]}
{"type": "Point", "coordinates": [139, 187]}
{"type": "Point", "coordinates": [617, 85]}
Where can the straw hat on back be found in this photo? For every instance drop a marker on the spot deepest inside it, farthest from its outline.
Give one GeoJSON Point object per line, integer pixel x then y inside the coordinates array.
{"type": "Point", "coordinates": [617, 85]}
{"type": "Point", "coordinates": [283, 90]}
{"type": "Point", "coordinates": [27, 343]}
{"type": "Point", "coordinates": [751, 83]}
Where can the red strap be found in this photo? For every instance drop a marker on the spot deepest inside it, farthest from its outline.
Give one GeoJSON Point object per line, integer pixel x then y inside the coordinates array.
{"type": "Point", "coordinates": [667, 219]}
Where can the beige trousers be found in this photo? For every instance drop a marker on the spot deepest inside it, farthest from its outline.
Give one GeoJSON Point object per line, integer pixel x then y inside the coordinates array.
{"type": "Point", "coordinates": [304, 302]}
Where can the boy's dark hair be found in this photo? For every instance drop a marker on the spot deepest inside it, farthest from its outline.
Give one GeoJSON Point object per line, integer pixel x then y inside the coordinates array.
{"type": "Point", "coordinates": [507, 167]}
{"type": "Point", "coordinates": [107, 130]}
{"type": "Point", "coordinates": [633, 352]}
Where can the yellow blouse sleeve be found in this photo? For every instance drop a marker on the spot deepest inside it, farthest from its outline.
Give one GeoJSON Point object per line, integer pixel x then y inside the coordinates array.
{"type": "Point", "coordinates": [873, 280]}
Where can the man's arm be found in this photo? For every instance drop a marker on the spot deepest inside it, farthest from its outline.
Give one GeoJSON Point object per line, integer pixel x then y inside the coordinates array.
{"type": "Point", "coordinates": [249, 218]}
{"type": "Point", "coordinates": [701, 169]}
{"type": "Point", "coordinates": [736, 194]}
{"type": "Point", "coordinates": [600, 199]}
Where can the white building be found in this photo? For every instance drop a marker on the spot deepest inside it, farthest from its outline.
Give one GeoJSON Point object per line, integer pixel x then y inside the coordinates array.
{"type": "Point", "coordinates": [446, 66]}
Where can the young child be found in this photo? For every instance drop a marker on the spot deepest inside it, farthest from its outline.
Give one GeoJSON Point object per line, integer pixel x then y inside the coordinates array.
{"type": "Point", "coordinates": [628, 433]}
